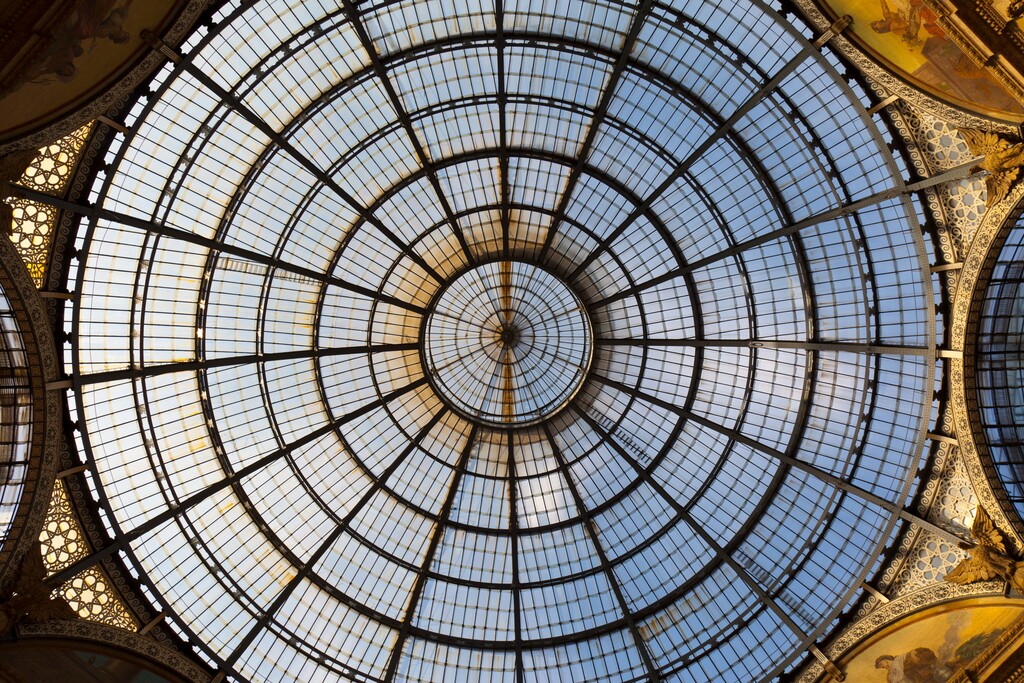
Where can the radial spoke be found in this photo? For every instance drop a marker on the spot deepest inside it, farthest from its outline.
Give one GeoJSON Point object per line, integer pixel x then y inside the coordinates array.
{"type": "Point", "coordinates": [310, 564]}
{"type": "Point", "coordinates": [124, 539]}
{"type": "Point", "coordinates": [318, 173]}
{"type": "Point", "coordinates": [503, 157]}
{"type": "Point", "coordinates": [694, 156]}
{"type": "Point", "coordinates": [825, 346]}
{"type": "Point", "coordinates": [428, 558]}
{"type": "Point", "coordinates": [214, 245]}
{"type": "Point", "coordinates": [788, 460]}
{"type": "Point", "coordinates": [513, 529]}
{"type": "Point", "coordinates": [147, 371]}
{"type": "Point", "coordinates": [406, 121]}
{"type": "Point", "coordinates": [606, 566]}
{"type": "Point", "coordinates": [600, 112]}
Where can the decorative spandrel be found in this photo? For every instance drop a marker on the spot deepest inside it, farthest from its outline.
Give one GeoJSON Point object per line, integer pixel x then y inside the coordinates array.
{"type": "Point", "coordinates": [50, 170]}
{"type": "Point", "coordinates": [32, 223]}
{"type": "Point", "coordinates": [89, 593]}
{"type": "Point", "coordinates": [60, 537]}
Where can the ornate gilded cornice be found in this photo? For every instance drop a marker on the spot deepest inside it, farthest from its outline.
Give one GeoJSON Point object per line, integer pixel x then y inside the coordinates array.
{"type": "Point", "coordinates": [992, 662]}
{"type": "Point", "coordinates": [889, 613]}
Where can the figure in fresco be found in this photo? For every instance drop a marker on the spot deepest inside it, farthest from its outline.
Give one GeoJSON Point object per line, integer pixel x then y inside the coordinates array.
{"type": "Point", "coordinates": [94, 20]}
{"type": "Point", "coordinates": [907, 22]}
{"type": "Point", "coordinates": [920, 665]}
{"type": "Point", "coordinates": [892, 21]}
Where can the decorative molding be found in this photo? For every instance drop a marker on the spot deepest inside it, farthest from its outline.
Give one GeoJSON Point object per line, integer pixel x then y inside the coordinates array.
{"type": "Point", "coordinates": [970, 276]}
{"type": "Point", "coordinates": [118, 92]}
{"type": "Point", "coordinates": [934, 146]}
{"type": "Point", "coordinates": [1009, 638]}
{"type": "Point", "coordinates": [133, 642]}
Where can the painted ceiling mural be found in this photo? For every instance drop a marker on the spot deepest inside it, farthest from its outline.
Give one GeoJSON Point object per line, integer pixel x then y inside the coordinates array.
{"type": "Point", "coordinates": [75, 57]}
{"type": "Point", "coordinates": [931, 645]}
{"type": "Point", "coordinates": [906, 37]}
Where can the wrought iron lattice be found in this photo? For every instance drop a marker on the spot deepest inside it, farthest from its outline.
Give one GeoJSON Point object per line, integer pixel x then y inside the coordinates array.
{"type": "Point", "coordinates": [704, 226]}
{"type": "Point", "coordinates": [507, 344]}
{"type": "Point", "coordinates": [33, 222]}
{"type": "Point", "coordinates": [89, 592]}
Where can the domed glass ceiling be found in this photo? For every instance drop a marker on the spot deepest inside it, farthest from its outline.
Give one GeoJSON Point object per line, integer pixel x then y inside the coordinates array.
{"type": "Point", "coordinates": [675, 452]}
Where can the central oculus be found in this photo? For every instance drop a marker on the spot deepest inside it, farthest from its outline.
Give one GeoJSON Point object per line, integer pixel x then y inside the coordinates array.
{"type": "Point", "coordinates": [507, 344]}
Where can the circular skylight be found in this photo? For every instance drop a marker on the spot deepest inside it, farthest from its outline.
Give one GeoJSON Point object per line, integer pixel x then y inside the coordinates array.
{"type": "Point", "coordinates": [507, 344]}
{"type": "Point", "coordinates": [443, 341]}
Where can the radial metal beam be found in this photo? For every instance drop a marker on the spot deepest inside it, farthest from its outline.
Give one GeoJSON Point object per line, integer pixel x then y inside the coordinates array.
{"type": "Point", "coordinates": [225, 361]}
{"type": "Point", "coordinates": [513, 528]}
{"type": "Point", "coordinates": [765, 598]}
{"type": "Point", "coordinates": [503, 157]}
{"type": "Point", "coordinates": [282, 142]}
{"type": "Point", "coordinates": [623, 59]}
{"type": "Point", "coordinates": [346, 522]}
{"type": "Point", "coordinates": [901, 189]}
{"type": "Point", "coordinates": [169, 232]}
{"type": "Point", "coordinates": [606, 565]}
{"type": "Point", "coordinates": [354, 18]}
{"type": "Point", "coordinates": [785, 459]}
{"type": "Point", "coordinates": [696, 154]}
{"type": "Point", "coordinates": [428, 559]}
{"type": "Point", "coordinates": [831, 347]}
{"type": "Point", "coordinates": [124, 539]}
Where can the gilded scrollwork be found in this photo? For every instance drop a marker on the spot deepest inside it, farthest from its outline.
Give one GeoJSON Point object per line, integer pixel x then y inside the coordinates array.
{"type": "Point", "coordinates": [33, 223]}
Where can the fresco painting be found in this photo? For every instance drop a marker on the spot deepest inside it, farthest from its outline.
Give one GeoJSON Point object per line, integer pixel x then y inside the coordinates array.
{"type": "Point", "coordinates": [930, 646]}
{"type": "Point", "coordinates": [86, 52]}
{"type": "Point", "coordinates": [905, 35]}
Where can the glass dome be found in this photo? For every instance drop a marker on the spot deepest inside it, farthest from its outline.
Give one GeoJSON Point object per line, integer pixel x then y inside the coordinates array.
{"type": "Point", "coordinates": [673, 453]}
